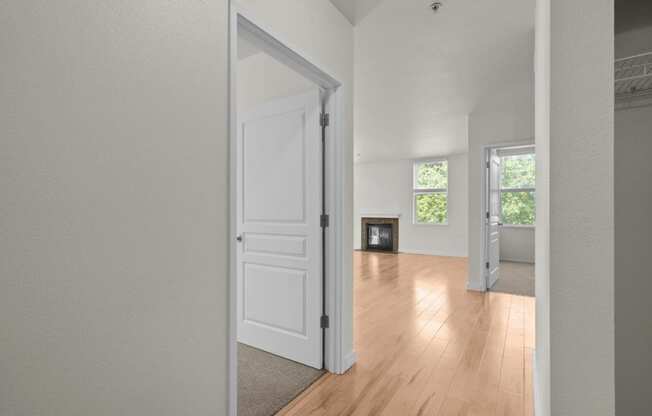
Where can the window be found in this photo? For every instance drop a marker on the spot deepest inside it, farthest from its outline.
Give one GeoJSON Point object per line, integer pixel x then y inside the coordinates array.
{"type": "Point", "coordinates": [517, 188]}
{"type": "Point", "coordinates": [430, 192]}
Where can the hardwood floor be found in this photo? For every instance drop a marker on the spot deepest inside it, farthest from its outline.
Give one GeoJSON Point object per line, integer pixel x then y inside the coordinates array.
{"type": "Point", "coordinates": [427, 346]}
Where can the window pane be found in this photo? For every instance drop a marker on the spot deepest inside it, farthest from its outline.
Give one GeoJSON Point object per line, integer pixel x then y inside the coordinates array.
{"type": "Point", "coordinates": [518, 208]}
{"type": "Point", "coordinates": [518, 171]}
{"type": "Point", "coordinates": [431, 208]}
{"type": "Point", "coordinates": [432, 175]}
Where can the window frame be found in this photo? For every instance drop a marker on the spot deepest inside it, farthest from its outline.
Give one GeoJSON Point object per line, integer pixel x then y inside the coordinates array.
{"type": "Point", "coordinates": [428, 191]}
{"type": "Point", "coordinates": [516, 190]}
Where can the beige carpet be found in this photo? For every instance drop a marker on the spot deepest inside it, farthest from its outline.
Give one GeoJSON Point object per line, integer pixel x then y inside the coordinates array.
{"type": "Point", "coordinates": [266, 382]}
{"type": "Point", "coordinates": [515, 278]}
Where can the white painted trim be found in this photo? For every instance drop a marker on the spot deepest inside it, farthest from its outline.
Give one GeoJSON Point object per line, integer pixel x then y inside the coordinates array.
{"type": "Point", "coordinates": [526, 226]}
{"type": "Point", "coordinates": [232, 388]}
{"type": "Point", "coordinates": [349, 361]}
{"type": "Point", "coordinates": [517, 261]}
{"type": "Point", "coordinates": [242, 19]}
{"type": "Point", "coordinates": [476, 287]}
{"type": "Point", "coordinates": [430, 253]}
{"type": "Point", "coordinates": [254, 31]}
{"type": "Point", "coordinates": [535, 384]}
{"type": "Point", "coordinates": [378, 214]}
{"type": "Point", "coordinates": [482, 287]}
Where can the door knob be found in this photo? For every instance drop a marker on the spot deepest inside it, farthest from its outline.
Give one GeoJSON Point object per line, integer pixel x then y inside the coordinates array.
{"type": "Point", "coordinates": [238, 238]}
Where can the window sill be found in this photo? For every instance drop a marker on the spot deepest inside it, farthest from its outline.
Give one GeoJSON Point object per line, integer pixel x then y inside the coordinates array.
{"type": "Point", "coordinates": [424, 224]}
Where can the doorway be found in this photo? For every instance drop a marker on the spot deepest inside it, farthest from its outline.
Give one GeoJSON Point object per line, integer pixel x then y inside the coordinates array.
{"type": "Point", "coordinates": [510, 219]}
{"type": "Point", "coordinates": [284, 331]}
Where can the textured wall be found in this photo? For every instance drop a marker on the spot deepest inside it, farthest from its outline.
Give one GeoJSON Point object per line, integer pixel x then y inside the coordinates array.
{"type": "Point", "coordinates": [633, 175]}
{"type": "Point", "coordinates": [113, 249]}
{"type": "Point", "coordinates": [517, 244]}
{"type": "Point", "coordinates": [581, 208]}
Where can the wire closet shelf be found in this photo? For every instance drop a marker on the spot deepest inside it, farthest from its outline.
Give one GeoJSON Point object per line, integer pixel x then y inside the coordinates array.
{"type": "Point", "coordinates": [633, 76]}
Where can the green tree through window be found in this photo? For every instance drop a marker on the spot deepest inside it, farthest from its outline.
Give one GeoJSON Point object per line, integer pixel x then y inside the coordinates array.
{"type": "Point", "coordinates": [431, 192]}
{"type": "Point", "coordinates": [518, 205]}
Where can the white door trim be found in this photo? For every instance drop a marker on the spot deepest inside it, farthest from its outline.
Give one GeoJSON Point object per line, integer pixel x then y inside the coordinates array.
{"type": "Point", "coordinates": [243, 20]}
{"type": "Point", "coordinates": [484, 200]}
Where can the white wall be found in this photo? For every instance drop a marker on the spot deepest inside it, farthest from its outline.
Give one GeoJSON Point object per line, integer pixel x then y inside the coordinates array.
{"type": "Point", "coordinates": [113, 250]}
{"type": "Point", "coordinates": [386, 187]}
{"type": "Point", "coordinates": [517, 244]}
{"type": "Point", "coordinates": [581, 146]}
{"type": "Point", "coordinates": [541, 366]}
{"type": "Point", "coordinates": [317, 30]}
{"type": "Point", "coordinates": [506, 116]}
{"type": "Point", "coordinates": [633, 42]}
{"type": "Point", "coordinates": [261, 78]}
{"type": "Point", "coordinates": [633, 173]}
{"type": "Point", "coordinates": [633, 232]}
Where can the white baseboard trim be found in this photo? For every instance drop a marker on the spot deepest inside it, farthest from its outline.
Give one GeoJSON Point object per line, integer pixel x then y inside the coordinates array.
{"type": "Point", "coordinates": [425, 253]}
{"type": "Point", "coordinates": [517, 261]}
{"type": "Point", "coordinates": [430, 253]}
{"type": "Point", "coordinates": [476, 286]}
{"type": "Point", "coordinates": [535, 387]}
{"type": "Point", "coordinates": [348, 361]}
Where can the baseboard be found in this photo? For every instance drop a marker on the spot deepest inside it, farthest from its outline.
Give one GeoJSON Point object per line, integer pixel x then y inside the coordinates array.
{"type": "Point", "coordinates": [535, 384]}
{"type": "Point", "coordinates": [518, 261]}
{"type": "Point", "coordinates": [430, 253]}
{"type": "Point", "coordinates": [476, 286]}
{"type": "Point", "coordinates": [348, 361]}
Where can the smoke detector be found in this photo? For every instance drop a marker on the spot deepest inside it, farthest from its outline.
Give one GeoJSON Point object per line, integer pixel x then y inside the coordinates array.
{"type": "Point", "coordinates": [435, 6]}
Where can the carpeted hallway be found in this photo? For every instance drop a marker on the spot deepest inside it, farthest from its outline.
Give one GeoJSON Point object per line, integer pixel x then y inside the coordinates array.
{"type": "Point", "coordinates": [267, 382]}
{"type": "Point", "coordinates": [515, 278]}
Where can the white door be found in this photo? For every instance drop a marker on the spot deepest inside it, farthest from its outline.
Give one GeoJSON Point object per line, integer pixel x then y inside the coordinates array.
{"type": "Point", "coordinates": [279, 235]}
{"type": "Point", "coordinates": [493, 219]}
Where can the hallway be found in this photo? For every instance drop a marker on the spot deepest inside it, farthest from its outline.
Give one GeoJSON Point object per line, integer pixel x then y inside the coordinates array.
{"type": "Point", "coordinates": [427, 346]}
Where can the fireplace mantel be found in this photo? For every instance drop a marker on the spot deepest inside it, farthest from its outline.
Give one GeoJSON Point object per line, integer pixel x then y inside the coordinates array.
{"type": "Point", "coordinates": [376, 214]}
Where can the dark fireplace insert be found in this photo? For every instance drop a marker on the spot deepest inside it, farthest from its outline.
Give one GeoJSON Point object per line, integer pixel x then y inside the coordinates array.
{"type": "Point", "coordinates": [380, 234]}
{"type": "Point", "coordinates": [379, 237]}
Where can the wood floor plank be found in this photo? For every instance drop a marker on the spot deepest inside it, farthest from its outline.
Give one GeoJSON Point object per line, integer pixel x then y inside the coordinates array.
{"type": "Point", "coordinates": [427, 346]}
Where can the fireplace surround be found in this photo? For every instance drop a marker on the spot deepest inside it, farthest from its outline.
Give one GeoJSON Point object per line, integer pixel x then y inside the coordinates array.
{"type": "Point", "coordinates": [379, 234]}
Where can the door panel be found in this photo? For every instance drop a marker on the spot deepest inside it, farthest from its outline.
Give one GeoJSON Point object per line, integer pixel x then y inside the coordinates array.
{"type": "Point", "coordinates": [269, 298]}
{"type": "Point", "coordinates": [493, 222]}
{"type": "Point", "coordinates": [274, 168]}
{"type": "Point", "coordinates": [279, 204]}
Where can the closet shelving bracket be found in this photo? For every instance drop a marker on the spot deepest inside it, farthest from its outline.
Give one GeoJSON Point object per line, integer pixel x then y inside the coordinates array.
{"type": "Point", "coordinates": [633, 78]}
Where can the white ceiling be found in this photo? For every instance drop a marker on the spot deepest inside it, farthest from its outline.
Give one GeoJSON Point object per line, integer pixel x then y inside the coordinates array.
{"type": "Point", "coordinates": [355, 10]}
{"type": "Point", "coordinates": [419, 74]}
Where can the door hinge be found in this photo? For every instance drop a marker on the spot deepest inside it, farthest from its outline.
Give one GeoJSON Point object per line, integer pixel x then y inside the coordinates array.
{"type": "Point", "coordinates": [324, 220]}
{"type": "Point", "coordinates": [324, 322]}
{"type": "Point", "coordinates": [487, 265]}
{"type": "Point", "coordinates": [324, 119]}
{"type": "Point", "coordinates": [487, 214]}
{"type": "Point", "coordinates": [488, 165]}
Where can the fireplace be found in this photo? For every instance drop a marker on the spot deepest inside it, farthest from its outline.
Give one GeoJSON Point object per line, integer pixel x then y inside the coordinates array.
{"type": "Point", "coordinates": [380, 234]}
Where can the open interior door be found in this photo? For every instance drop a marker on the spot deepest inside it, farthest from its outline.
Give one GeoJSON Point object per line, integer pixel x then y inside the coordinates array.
{"type": "Point", "coordinates": [278, 225]}
{"type": "Point", "coordinates": [493, 219]}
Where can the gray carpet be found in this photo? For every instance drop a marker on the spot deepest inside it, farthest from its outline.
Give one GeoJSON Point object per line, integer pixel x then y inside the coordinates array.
{"type": "Point", "coordinates": [515, 278]}
{"type": "Point", "coordinates": [266, 382]}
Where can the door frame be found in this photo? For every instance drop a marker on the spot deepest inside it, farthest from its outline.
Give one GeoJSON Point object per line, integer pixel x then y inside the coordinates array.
{"type": "Point", "coordinates": [484, 201]}
{"type": "Point", "coordinates": [243, 20]}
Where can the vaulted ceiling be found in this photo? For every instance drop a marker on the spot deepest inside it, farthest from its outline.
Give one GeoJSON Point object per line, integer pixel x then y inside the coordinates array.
{"type": "Point", "coordinates": [419, 74]}
{"type": "Point", "coordinates": [355, 10]}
